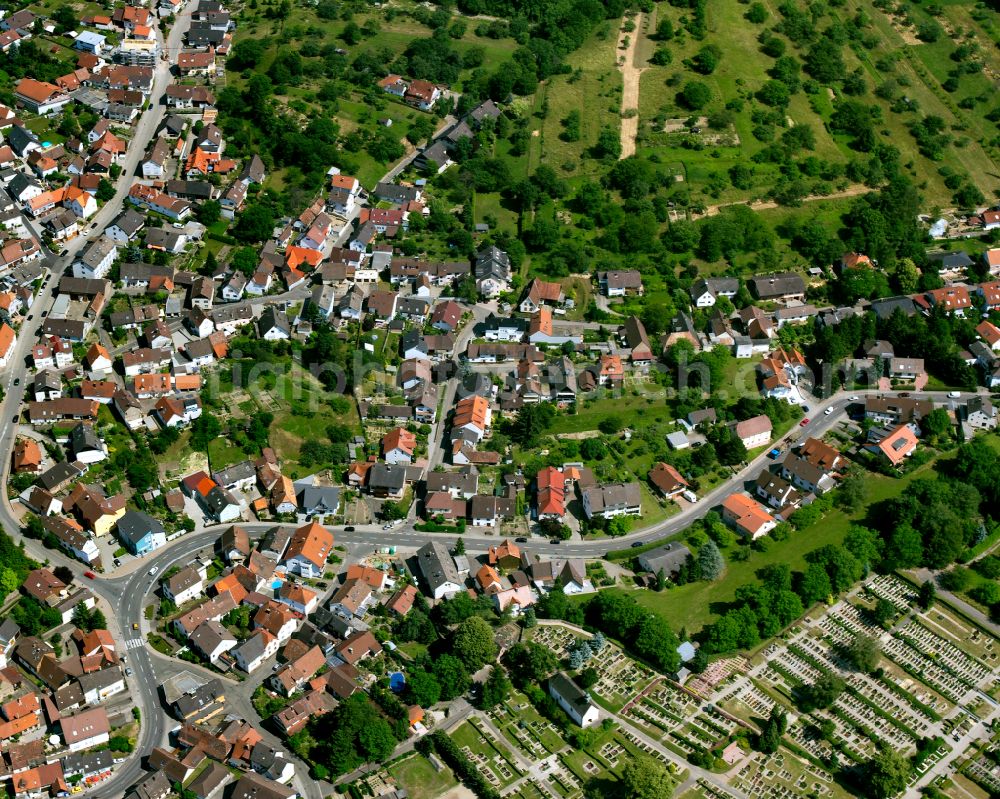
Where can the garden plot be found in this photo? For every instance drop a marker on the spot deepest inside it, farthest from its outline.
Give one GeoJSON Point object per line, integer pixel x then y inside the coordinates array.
{"type": "Point", "coordinates": [555, 637]}
{"type": "Point", "coordinates": [865, 718]}
{"type": "Point", "coordinates": [703, 789]}
{"type": "Point", "coordinates": [717, 673]}
{"type": "Point", "coordinates": [971, 639]}
{"type": "Point", "coordinates": [803, 733]}
{"type": "Point", "coordinates": [924, 669]}
{"type": "Point", "coordinates": [487, 754]}
{"type": "Point", "coordinates": [536, 737]}
{"type": "Point", "coordinates": [962, 665]}
{"type": "Point", "coordinates": [663, 711]}
{"type": "Point", "coordinates": [985, 772]}
{"type": "Point", "coordinates": [783, 776]}
{"type": "Point", "coordinates": [894, 590]}
{"type": "Point", "coordinates": [621, 678]}
{"type": "Point", "coordinates": [564, 781]}
{"type": "Point", "coordinates": [532, 789]}
{"type": "Point", "coordinates": [745, 699]}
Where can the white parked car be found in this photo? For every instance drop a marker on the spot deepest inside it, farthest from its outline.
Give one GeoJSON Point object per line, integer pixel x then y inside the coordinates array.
{"type": "Point", "coordinates": [828, 411]}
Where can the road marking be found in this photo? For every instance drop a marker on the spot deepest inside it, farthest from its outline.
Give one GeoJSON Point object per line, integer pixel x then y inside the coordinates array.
{"type": "Point", "coordinates": [134, 643]}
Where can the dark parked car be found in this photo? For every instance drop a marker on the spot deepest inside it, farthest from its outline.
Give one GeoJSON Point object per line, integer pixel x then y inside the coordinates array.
{"type": "Point", "coordinates": [348, 529]}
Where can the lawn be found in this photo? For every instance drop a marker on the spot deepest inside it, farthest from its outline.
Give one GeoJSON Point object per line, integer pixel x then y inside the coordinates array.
{"type": "Point", "coordinates": [420, 779]}
{"type": "Point", "coordinates": [592, 88]}
{"type": "Point", "coordinates": [632, 411]}
{"type": "Point", "coordinates": [221, 453]}
{"type": "Point", "coordinates": [694, 605]}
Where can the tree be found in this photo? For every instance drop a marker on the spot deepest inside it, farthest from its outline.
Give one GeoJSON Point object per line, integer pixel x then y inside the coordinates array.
{"type": "Point", "coordinates": [852, 491]}
{"type": "Point", "coordinates": [694, 96]}
{"type": "Point", "coordinates": [884, 611]}
{"type": "Point", "coordinates": [588, 678]}
{"type": "Point", "coordinates": [392, 511]}
{"type": "Point", "coordinates": [385, 146]}
{"type": "Point", "coordinates": [820, 694]}
{"type": "Point", "coordinates": [864, 652]}
{"type": "Point", "coordinates": [422, 688]}
{"type": "Point", "coordinates": [209, 212]}
{"type": "Point", "coordinates": [774, 727]}
{"type": "Point", "coordinates": [204, 430]}
{"type": "Point", "coordinates": [496, 689]}
{"type": "Point", "coordinates": [473, 643]}
{"type": "Point", "coordinates": [887, 774]}
{"type": "Point", "coordinates": [256, 223]}
{"type": "Point", "coordinates": [530, 422]}
{"type": "Point", "coordinates": [608, 146]}
{"type": "Point", "coordinates": [710, 561]}
{"type": "Point", "coordinates": [10, 581]}
{"type": "Point", "coordinates": [530, 662]}
{"type": "Point", "coordinates": [927, 595]}
{"type": "Point", "coordinates": [105, 190]}
{"type": "Point", "coordinates": [451, 676]}
{"type": "Point", "coordinates": [646, 778]}
{"type": "Point", "coordinates": [593, 449]}
{"type": "Point", "coordinates": [246, 54]}
{"type": "Point", "coordinates": [936, 424]}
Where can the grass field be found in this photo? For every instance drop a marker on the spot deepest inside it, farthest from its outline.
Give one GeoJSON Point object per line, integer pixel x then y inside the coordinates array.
{"type": "Point", "coordinates": [890, 52]}
{"type": "Point", "coordinates": [593, 88]}
{"type": "Point", "coordinates": [694, 605]}
{"type": "Point", "coordinates": [222, 454]}
{"type": "Point", "coordinates": [420, 779]}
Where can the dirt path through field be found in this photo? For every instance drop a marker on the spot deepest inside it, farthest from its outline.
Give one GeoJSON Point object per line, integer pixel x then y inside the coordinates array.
{"type": "Point", "coordinates": [630, 85]}
{"type": "Point", "coordinates": [763, 205]}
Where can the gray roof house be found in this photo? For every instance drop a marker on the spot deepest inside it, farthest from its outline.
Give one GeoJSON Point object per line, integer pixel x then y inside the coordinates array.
{"type": "Point", "coordinates": [438, 569]}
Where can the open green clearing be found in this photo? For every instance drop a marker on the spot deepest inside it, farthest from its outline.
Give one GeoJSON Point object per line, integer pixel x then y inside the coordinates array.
{"type": "Point", "coordinates": [420, 779]}
{"type": "Point", "coordinates": [883, 48]}
{"type": "Point", "coordinates": [694, 605]}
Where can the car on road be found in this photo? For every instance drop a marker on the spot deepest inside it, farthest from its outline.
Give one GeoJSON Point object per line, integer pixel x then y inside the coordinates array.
{"type": "Point", "coordinates": [774, 453]}
{"type": "Point", "coordinates": [804, 422]}
{"type": "Point", "coordinates": [17, 416]}
{"type": "Point", "coordinates": [135, 625]}
{"type": "Point", "coordinates": [17, 381]}
{"type": "Point", "coordinates": [348, 529]}
{"type": "Point", "coordinates": [90, 575]}
{"type": "Point", "coordinates": [128, 671]}
{"type": "Point", "coordinates": [153, 571]}
{"type": "Point", "coordinates": [118, 561]}
{"type": "Point", "coordinates": [805, 408]}
{"type": "Point", "coordinates": [521, 540]}
{"type": "Point", "coordinates": [954, 394]}
{"type": "Point", "coordinates": [828, 411]}
{"type": "Point", "coordinates": [637, 544]}
{"type": "Point", "coordinates": [62, 253]}
{"type": "Point", "coordinates": [555, 540]}
{"type": "Point", "coordinates": [904, 393]}
{"type": "Point", "coordinates": [855, 398]}
{"type": "Point", "coordinates": [44, 314]}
